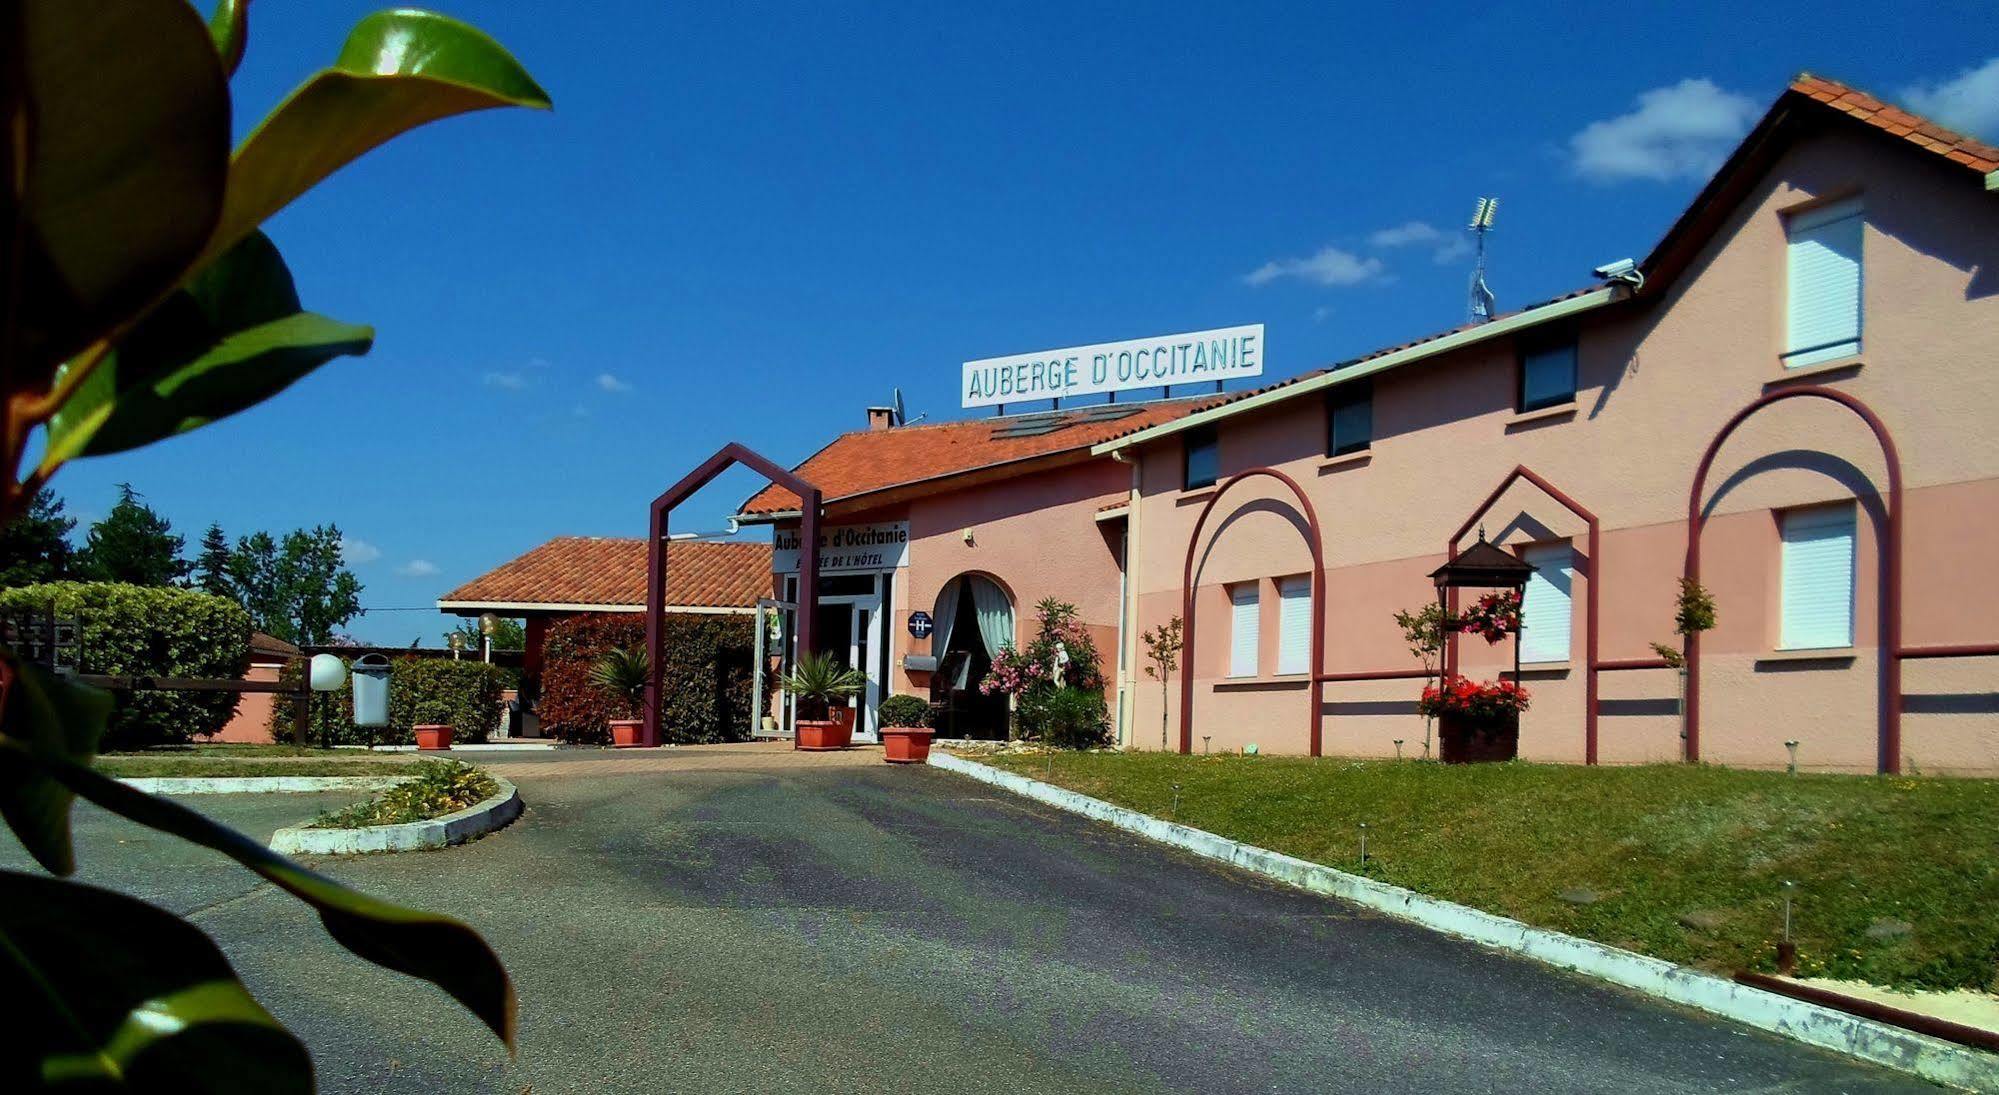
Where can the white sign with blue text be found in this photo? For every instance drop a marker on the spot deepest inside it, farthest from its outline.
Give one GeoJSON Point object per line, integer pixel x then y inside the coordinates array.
{"type": "Point", "coordinates": [846, 549]}
{"type": "Point", "coordinates": [1196, 357]}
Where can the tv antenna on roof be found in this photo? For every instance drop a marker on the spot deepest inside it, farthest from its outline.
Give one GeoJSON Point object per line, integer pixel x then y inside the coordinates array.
{"type": "Point", "coordinates": [1483, 305]}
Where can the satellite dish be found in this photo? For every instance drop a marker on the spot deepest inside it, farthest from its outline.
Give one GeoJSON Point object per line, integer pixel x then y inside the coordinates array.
{"type": "Point", "coordinates": [900, 415]}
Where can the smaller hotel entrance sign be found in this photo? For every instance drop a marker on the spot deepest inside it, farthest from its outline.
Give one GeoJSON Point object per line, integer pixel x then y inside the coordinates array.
{"type": "Point", "coordinates": [1192, 358]}
{"type": "Point", "coordinates": [846, 549]}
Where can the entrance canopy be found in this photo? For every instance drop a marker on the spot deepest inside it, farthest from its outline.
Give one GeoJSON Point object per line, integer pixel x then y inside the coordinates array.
{"type": "Point", "coordinates": [657, 557]}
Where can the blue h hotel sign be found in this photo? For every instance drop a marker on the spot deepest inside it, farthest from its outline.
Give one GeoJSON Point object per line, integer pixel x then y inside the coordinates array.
{"type": "Point", "coordinates": [1192, 358]}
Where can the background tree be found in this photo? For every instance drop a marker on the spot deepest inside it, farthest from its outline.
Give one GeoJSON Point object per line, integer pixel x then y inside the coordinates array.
{"type": "Point", "coordinates": [211, 566]}
{"type": "Point", "coordinates": [34, 547]}
{"type": "Point", "coordinates": [297, 589]}
{"type": "Point", "coordinates": [134, 544]}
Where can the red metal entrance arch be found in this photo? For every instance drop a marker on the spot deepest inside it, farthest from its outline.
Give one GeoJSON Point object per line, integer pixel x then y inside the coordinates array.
{"type": "Point", "coordinates": [1318, 605]}
{"type": "Point", "coordinates": [1889, 754]}
{"type": "Point", "coordinates": [808, 556]}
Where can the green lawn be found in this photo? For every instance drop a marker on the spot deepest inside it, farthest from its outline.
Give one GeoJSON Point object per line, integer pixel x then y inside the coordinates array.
{"type": "Point", "coordinates": [246, 760]}
{"type": "Point", "coordinates": [1685, 863]}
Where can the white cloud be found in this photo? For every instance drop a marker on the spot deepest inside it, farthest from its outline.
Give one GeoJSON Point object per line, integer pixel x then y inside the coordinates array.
{"type": "Point", "coordinates": [1681, 131]}
{"type": "Point", "coordinates": [1444, 247]}
{"type": "Point", "coordinates": [419, 568]}
{"type": "Point", "coordinates": [1402, 235]}
{"type": "Point", "coordinates": [1968, 101]}
{"type": "Point", "coordinates": [508, 381]}
{"type": "Point", "coordinates": [1330, 266]}
{"type": "Point", "coordinates": [1321, 314]}
{"type": "Point", "coordinates": [610, 383]}
{"type": "Point", "coordinates": [356, 551]}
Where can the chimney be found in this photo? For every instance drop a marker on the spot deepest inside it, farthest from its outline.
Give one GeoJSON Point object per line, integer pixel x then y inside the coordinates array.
{"type": "Point", "coordinates": [881, 418]}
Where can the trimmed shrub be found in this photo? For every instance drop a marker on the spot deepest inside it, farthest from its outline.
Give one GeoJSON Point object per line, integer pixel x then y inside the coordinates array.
{"type": "Point", "coordinates": [705, 675]}
{"type": "Point", "coordinates": [464, 694]}
{"type": "Point", "coordinates": [154, 631]}
{"type": "Point", "coordinates": [905, 710]}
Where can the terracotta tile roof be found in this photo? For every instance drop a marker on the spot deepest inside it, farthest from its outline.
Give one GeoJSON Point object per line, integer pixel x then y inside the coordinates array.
{"type": "Point", "coordinates": [1917, 130]}
{"type": "Point", "coordinates": [598, 570]}
{"type": "Point", "coordinates": [866, 461]}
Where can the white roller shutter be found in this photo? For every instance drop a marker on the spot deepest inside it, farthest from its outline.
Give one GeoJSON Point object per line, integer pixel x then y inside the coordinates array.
{"type": "Point", "coordinates": [1545, 614]}
{"type": "Point", "coordinates": [1244, 628]}
{"type": "Point", "coordinates": [1294, 625]}
{"type": "Point", "coordinates": [1823, 279]}
{"type": "Point", "coordinates": [1818, 578]}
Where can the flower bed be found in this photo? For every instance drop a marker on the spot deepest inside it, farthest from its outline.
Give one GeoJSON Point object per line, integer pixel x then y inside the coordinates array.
{"type": "Point", "coordinates": [439, 787]}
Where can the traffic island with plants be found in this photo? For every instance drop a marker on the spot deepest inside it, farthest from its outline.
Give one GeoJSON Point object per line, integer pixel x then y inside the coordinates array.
{"type": "Point", "coordinates": [435, 788]}
{"type": "Point", "coordinates": [1895, 879]}
{"type": "Point", "coordinates": [905, 729]}
{"type": "Point", "coordinates": [820, 686]}
{"type": "Point", "coordinates": [621, 674]}
{"type": "Point", "coordinates": [142, 301]}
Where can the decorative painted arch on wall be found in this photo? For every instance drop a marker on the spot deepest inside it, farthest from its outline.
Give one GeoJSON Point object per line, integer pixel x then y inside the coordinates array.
{"type": "Point", "coordinates": [1318, 605]}
{"type": "Point", "coordinates": [1590, 661]}
{"type": "Point", "coordinates": [1889, 749]}
{"type": "Point", "coordinates": [728, 456]}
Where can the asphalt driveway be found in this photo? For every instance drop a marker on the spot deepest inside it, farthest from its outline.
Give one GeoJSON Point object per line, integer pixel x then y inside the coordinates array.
{"type": "Point", "coordinates": [750, 920]}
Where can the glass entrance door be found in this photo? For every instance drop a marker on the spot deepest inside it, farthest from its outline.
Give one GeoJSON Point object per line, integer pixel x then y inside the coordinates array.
{"type": "Point", "coordinates": [848, 627]}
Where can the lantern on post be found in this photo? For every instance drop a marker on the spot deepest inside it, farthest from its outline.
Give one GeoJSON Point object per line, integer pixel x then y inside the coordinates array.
{"type": "Point", "coordinates": [1480, 722]}
{"type": "Point", "coordinates": [488, 624]}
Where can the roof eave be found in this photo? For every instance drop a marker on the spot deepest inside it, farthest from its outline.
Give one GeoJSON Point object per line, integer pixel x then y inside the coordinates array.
{"type": "Point", "coordinates": [1519, 321]}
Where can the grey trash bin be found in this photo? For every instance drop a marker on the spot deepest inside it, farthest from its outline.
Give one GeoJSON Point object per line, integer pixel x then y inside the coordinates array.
{"type": "Point", "coordinates": [371, 690]}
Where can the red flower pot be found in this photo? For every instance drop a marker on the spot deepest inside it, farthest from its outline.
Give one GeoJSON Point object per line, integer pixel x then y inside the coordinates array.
{"type": "Point", "coordinates": [432, 737]}
{"type": "Point", "coordinates": [627, 733]}
{"type": "Point", "coordinates": [906, 744]}
{"type": "Point", "coordinates": [818, 735]}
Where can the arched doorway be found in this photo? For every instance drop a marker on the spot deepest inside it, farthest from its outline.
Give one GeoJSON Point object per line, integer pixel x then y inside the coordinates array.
{"type": "Point", "coordinates": [973, 618]}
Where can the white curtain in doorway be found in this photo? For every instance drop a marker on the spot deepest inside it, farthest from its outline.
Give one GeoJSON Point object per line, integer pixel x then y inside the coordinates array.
{"type": "Point", "coordinates": [995, 615]}
{"type": "Point", "coordinates": [942, 619]}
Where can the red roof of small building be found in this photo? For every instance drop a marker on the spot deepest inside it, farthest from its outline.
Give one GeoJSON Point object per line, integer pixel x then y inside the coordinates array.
{"type": "Point", "coordinates": [600, 571]}
{"type": "Point", "coordinates": [867, 461]}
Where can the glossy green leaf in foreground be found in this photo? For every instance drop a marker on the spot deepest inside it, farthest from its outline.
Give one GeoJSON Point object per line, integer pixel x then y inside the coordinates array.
{"type": "Point", "coordinates": [397, 71]}
{"type": "Point", "coordinates": [229, 339]}
{"type": "Point", "coordinates": [229, 25]}
{"type": "Point", "coordinates": [437, 948]}
{"type": "Point", "coordinates": [49, 715]}
{"type": "Point", "coordinates": [108, 992]}
{"type": "Point", "coordinates": [125, 114]}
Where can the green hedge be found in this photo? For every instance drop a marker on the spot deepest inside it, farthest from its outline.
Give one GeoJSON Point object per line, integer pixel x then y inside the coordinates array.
{"type": "Point", "coordinates": [465, 694]}
{"type": "Point", "coordinates": [705, 675]}
{"type": "Point", "coordinates": [150, 631]}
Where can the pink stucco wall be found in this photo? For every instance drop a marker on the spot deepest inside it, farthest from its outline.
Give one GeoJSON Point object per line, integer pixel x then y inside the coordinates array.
{"type": "Point", "coordinates": [252, 721]}
{"type": "Point", "coordinates": [1656, 383]}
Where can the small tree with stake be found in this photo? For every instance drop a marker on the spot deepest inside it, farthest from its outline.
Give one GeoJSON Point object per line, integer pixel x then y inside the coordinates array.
{"type": "Point", "coordinates": [1162, 649]}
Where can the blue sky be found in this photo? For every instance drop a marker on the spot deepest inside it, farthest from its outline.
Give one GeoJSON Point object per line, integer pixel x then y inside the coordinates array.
{"type": "Point", "coordinates": [748, 222]}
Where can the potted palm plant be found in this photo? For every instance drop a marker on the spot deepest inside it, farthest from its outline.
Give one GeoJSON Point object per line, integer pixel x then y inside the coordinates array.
{"type": "Point", "coordinates": [621, 674]}
{"type": "Point", "coordinates": [817, 683]}
{"type": "Point", "coordinates": [905, 730]}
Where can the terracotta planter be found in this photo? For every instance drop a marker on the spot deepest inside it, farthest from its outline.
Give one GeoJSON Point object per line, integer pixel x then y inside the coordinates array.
{"type": "Point", "coordinates": [627, 733]}
{"type": "Point", "coordinates": [819, 735]}
{"type": "Point", "coordinates": [1464, 740]}
{"type": "Point", "coordinates": [431, 737]}
{"type": "Point", "coordinates": [906, 744]}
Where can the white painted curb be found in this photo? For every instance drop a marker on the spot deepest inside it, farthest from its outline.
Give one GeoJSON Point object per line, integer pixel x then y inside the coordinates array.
{"type": "Point", "coordinates": [1932, 1059]}
{"type": "Point", "coordinates": [495, 812]}
{"type": "Point", "coordinates": [240, 785]}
